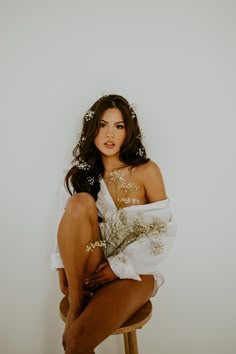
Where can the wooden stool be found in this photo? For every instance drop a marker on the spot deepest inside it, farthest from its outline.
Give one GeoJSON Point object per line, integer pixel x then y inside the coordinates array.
{"type": "Point", "coordinates": [128, 329]}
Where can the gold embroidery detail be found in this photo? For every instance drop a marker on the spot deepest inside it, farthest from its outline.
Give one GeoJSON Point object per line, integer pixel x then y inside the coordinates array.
{"type": "Point", "coordinates": [124, 187]}
{"type": "Point", "coordinates": [128, 200]}
{"type": "Point", "coordinates": [121, 182]}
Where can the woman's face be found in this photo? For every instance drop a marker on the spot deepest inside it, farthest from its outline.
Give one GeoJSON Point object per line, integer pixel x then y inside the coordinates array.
{"type": "Point", "coordinates": [112, 132]}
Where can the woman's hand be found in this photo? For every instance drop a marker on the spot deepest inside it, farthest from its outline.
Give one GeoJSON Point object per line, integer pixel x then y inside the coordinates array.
{"type": "Point", "coordinates": [102, 275]}
{"type": "Point", "coordinates": [64, 284]}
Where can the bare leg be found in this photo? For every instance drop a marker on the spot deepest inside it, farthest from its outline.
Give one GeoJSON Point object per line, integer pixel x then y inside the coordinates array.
{"type": "Point", "coordinates": [78, 227]}
{"type": "Point", "coordinates": [110, 307]}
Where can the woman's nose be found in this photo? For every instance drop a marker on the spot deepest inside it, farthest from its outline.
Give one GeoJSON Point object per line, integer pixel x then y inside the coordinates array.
{"type": "Point", "coordinates": [110, 132]}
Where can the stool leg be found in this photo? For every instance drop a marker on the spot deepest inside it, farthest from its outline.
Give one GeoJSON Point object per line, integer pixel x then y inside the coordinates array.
{"type": "Point", "coordinates": [133, 346]}
{"type": "Point", "coordinates": [126, 343]}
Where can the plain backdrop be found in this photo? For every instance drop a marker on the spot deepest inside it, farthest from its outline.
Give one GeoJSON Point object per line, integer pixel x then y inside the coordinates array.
{"type": "Point", "coordinates": [175, 60]}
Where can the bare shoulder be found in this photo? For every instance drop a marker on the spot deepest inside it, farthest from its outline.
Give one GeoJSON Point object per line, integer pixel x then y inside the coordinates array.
{"type": "Point", "coordinates": [151, 178]}
{"type": "Point", "coordinates": [149, 170]}
{"type": "Point", "coordinates": [149, 167]}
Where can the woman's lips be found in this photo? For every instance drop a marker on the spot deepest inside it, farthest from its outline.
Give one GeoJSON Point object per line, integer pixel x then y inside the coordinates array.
{"type": "Point", "coordinates": [109, 145]}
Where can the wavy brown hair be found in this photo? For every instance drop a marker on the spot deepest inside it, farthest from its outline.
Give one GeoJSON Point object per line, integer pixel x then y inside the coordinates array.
{"type": "Point", "coordinates": [87, 163]}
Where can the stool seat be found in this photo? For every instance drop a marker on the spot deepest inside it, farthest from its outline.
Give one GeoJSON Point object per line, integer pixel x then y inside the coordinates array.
{"type": "Point", "coordinates": [128, 329]}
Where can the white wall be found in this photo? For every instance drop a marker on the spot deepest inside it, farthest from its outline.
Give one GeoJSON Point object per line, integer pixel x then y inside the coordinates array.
{"type": "Point", "coordinates": [176, 61]}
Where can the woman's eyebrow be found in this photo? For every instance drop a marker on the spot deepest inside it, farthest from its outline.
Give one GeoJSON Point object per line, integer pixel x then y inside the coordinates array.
{"type": "Point", "coordinates": [102, 120]}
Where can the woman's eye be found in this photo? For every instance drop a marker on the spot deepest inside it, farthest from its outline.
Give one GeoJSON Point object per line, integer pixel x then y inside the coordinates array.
{"type": "Point", "coordinates": [102, 125]}
{"type": "Point", "coordinates": [120, 126]}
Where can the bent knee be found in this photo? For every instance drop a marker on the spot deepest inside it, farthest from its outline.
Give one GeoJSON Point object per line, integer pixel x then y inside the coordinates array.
{"type": "Point", "coordinates": [80, 204]}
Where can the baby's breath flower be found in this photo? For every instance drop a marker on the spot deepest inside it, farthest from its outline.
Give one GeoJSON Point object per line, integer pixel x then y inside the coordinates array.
{"type": "Point", "coordinates": [89, 115]}
{"type": "Point", "coordinates": [90, 180]}
{"type": "Point", "coordinates": [83, 165]}
{"type": "Point", "coordinates": [140, 152]}
{"type": "Point", "coordinates": [92, 245]}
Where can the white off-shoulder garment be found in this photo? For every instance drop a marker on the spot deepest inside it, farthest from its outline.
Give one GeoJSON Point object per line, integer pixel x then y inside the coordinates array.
{"type": "Point", "coordinates": [152, 231]}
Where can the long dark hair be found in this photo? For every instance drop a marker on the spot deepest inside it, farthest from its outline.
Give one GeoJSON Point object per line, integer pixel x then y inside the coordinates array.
{"type": "Point", "coordinates": [87, 163]}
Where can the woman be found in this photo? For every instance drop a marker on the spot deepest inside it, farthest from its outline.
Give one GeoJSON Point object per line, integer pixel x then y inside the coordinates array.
{"type": "Point", "coordinates": [115, 229]}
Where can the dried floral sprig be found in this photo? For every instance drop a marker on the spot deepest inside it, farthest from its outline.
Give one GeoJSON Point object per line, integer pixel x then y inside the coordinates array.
{"type": "Point", "coordinates": [92, 245]}
{"type": "Point", "coordinates": [122, 232]}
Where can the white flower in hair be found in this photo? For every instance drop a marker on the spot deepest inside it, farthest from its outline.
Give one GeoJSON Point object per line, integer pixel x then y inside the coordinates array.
{"type": "Point", "coordinates": [90, 180]}
{"type": "Point", "coordinates": [82, 140]}
{"type": "Point", "coordinates": [132, 109]}
{"type": "Point", "coordinates": [83, 165]}
{"type": "Point", "coordinates": [142, 133]}
{"type": "Point", "coordinates": [140, 152]}
{"type": "Point", "coordinates": [139, 136]}
{"type": "Point", "coordinates": [89, 115]}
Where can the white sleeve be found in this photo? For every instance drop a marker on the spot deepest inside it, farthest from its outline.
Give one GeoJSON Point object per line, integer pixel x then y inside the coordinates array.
{"type": "Point", "coordinates": [56, 261]}
{"type": "Point", "coordinates": [138, 257]}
